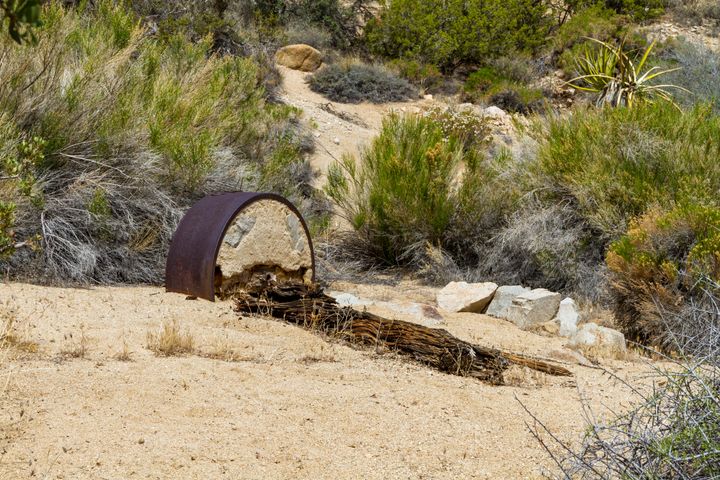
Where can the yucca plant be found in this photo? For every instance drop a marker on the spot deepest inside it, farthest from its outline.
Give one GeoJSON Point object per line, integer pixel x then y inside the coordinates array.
{"type": "Point", "coordinates": [610, 72]}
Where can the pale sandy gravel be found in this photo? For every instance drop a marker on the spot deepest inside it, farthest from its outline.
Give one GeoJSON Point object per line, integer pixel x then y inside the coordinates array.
{"type": "Point", "coordinates": [295, 406]}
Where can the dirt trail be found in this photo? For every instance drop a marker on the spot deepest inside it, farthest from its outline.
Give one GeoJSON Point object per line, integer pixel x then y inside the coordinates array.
{"type": "Point", "coordinates": [338, 128]}
{"type": "Point", "coordinates": [291, 405]}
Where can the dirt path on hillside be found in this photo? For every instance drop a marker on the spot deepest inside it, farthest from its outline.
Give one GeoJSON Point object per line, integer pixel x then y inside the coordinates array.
{"type": "Point", "coordinates": [289, 405]}
{"type": "Point", "coordinates": [338, 128]}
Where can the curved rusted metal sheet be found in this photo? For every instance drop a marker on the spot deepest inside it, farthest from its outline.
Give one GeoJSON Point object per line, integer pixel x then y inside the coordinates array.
{"type": "Point", "coordinates": [190, 267]}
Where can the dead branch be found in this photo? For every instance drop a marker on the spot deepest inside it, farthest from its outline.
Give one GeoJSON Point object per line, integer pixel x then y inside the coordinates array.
{"type": "Point", "coordinates": [311, 308]}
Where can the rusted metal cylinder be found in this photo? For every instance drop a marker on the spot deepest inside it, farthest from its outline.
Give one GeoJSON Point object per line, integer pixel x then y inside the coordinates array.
{"type": "Point", "coordinates": [191, 261]}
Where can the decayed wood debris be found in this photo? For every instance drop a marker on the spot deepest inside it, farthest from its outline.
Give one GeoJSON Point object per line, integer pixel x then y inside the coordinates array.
{"type": "Point", "coordinates": [309, 307]}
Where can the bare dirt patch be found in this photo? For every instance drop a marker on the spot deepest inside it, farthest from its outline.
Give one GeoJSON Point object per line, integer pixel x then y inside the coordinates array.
{"type": "Point", "coordinates": [261, 399]}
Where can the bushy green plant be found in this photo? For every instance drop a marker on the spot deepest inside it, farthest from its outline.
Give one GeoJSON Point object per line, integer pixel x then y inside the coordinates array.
{"type": "Point", "coordinates": [638, 9]}
{"type": "Point", "coordinates": [21, 17]}
{"type": "Point", "coordinates": [614, 164]}
{"type": "Point", "coordinates": [617, 79]}
{"type": "Point", "coordinates": [454, 32]}
{"type": "Point", "coordinates": [488, 86]}
{"type": "Point", "coordinates": [423, 75]}
{"type": "Point", "coordinates": [659, 261]}
{"type": "Point", "coordinates": [595, 21]}
{"type": "Point", "coordinates": [354, 82]}
{"type": "Point", "coordinates": [404, 191]}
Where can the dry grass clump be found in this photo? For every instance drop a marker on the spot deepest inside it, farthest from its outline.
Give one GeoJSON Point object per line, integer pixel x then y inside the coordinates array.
{"type": "Point", "coordinates": [76, 346]}
{"type": "Point", "coordinates": [170, 340]}
{"type": "Point", "coordinates": [696, 12]}
{"type": "Point", "coordinates": [10, 338]}
{"type": "Point", "coordinates": [124, 354]}
{"type": "Point", "coordinates": [674, 431]}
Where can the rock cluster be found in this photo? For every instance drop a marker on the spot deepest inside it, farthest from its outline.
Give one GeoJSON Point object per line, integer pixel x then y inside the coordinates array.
{"type": "Point", "coordinates": [536, 309]}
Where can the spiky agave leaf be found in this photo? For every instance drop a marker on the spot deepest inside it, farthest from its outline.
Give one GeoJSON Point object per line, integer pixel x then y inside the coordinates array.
{"type": "Point", "coordinates": [612, 74]}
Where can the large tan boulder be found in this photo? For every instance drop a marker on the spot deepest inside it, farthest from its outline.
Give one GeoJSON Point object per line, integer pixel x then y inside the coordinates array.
{"type": "Point", "coordinates": [466, 297]}
{"type": "Point", "coordinates": [299, 57]}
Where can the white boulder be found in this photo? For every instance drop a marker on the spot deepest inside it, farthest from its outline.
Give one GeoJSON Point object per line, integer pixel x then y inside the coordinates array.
{"type": "Point", "coordinates": [503, 299]}
{"type": "Point", "coordinates": [466, 297]}
{"type": "Point", "coordinates": [567, 317]}
{"type": "Point", "coordinates": [593, 335]}
{"type": "Point", "coordinates": [533, 308]}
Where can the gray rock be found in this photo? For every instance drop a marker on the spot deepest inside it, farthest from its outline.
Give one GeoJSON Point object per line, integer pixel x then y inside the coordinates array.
{"type": "Point", "coordinates": [466, 297]}
{"type": "Point", "coordinates": [533, 308]}
{"type": "Point", "coordinates": [593, 335]}
{"type": "Point", "coordinates": [349, 300]}
{"type": "Point", "coordinates": [503, 299]}
{"type": "Point", "coordinates": [242, 226]}
{"type": "Point", "coordinates": [567, 317]}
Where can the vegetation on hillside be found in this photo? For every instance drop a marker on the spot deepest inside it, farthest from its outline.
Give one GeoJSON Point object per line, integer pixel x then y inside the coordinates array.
{"type": "Point", "coordinates": [108, 133]}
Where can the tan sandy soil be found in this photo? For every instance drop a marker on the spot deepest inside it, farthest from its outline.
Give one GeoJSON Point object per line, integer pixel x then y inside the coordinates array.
{"type": "Point", "coordinates": [292, 405]}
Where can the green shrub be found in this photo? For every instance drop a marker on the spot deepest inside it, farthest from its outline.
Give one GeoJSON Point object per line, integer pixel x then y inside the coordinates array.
{"type": "Point", "coordinates": [638, 9]}
{"type": "Point", "coordinates": [455, 32]}
{"type": "Point", "coordinates": [596, 21]}
{"type": "Point", "coordinates": [129, 128]}
{"type": "Point", "coordinates": [357, 82]}
{"type": "Point", "coordinates": [614, 164]}
{"type": "Point", "coordinates": [403, 191]}
{"type": "Point", "coordinates": [660, 261]}
{"type": "Point", "coordinates": [422, 75]}
{"type": "Point", "coordinates": [571, 39]}
{"type": "Point", "coordinates": [487, 86]}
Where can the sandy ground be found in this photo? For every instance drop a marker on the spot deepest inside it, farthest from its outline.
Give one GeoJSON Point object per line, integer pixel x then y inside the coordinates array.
{"type": "Point", "coordinates": [290, 405]}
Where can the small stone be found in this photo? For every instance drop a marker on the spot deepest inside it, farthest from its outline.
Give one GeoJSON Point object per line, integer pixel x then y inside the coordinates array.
{"type": "Point", "coordinates": [466, 297]}
{"type": "Point", "coordinates": [349, 300]}
{"type": "Point", "coordinates": [141, 441]}
{"type": "Point", "coordinates": [428, 97]}
{"type": "Point", "coordinates": [534, 307]}
{"type": "Point", "coordinates": [336, 141]}
{"type": "Point", "coordinates": [567, 318]}
{"type": "Point", "coordinates": [503, 299]}
{"type": "Point", "coordinates": [593, 335]}
{"type": "Point", "coordinates": [496, 112]}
